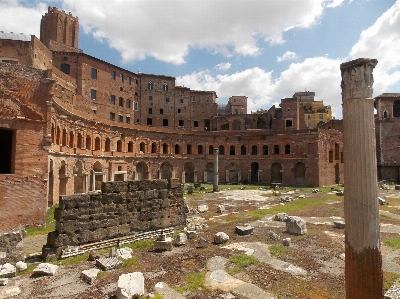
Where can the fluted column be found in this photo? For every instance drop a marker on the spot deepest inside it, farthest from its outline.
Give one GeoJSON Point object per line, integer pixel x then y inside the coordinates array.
{"type": "Point", "coordinates": [363, 262]}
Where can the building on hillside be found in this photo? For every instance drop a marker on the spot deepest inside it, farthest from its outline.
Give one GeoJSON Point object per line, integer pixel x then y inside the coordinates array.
{"type": "Point", "coordinates": [70, 121]}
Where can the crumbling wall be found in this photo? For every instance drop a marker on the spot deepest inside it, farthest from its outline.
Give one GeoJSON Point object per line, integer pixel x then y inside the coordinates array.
{"type": "Point", "coordinates": [11, 247]}
{"type": "Point", "coordinates": [123, 208]}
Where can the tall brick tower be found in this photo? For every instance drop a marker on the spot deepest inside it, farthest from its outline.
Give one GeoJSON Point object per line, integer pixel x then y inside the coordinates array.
{"type": "Point", "coordinates": [59, 30]}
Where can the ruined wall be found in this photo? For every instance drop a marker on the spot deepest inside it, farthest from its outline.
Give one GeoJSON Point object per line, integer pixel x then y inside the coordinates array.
{"type": "Point", "coordinates": [11, 247]}
{"type": "Point", "coordinates": [123, 208]}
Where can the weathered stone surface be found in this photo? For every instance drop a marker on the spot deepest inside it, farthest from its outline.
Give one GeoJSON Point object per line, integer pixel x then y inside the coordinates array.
{"type": "Point", "coordinates": [93, 255]}
{"type": "Point", "coordinates": [21, 266]}
{"type": "Point", "coordinates": [281, 217]}
{"type": "Point", "coordinates": [181, 239]}
{"type": "Point", "coordinates": [9, 291]}
{"type": "Point", "coordinates": [220, 238]}
{"type": "Point", "coordinates": [220, 208]}
{"type": "Point", "coordinates": [339, 224]}
{"type": "Point", "coordinates": [108, 263]}
{"type": "Point", "coordinates": [244, 230]}
{"type": "Point", "coordinates": [7, 271]}
{"type": "Point", "coordinates": [191, 234]}
{"type": "Point", "coordinates": [393, 293]}
{"type": "Point", "coordinates": [381, 201]}
{"type": "Point", "coordinates": [163, 243]}
{"type": "Point", "coordinates": [130, 285]}
{"type": "Point", "coordinates": [203, 243]}
{"type": "Point", "coordinates": [168, 293]}
{"type": "Point", "coordinates": [202, 208]}
{"type": "Point", "coordinates": [3, 281]}
{"type": "Point", "coordinates": [273, 236]}
{"type": "Point", "coordinates": [286, 198]}
{"type": "Point", "coordinates": [124, 253]}
{"type": "Point", "coordinates": [11, 246]}
{"type": "Point", "coordinates": [296, 225]}
{"type": "Point", "coordinates": [90, 275]}
{"type": "Point", "coordinates": [287, 242]}
{"type": "Point", "coordinates": [45, 269]}
{"type": "Point", "coordinates": [114, 187]}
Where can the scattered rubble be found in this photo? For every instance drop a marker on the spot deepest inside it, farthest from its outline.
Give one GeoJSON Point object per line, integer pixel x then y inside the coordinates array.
{"type": "Point", "coordinates": [130, 285]}
{"type": "Point", "coordinates": [45, 269]}
{"type": "Point", "coordinates": [108, 263]}
{"type": "Point", "coordinates": [244, 230]}
{"type": "Point", "coordinates": [296, 225]}
{"type": "Point", "coordinates": [90, 275]}
{"type": "Point", "coordinates": [220, 238]}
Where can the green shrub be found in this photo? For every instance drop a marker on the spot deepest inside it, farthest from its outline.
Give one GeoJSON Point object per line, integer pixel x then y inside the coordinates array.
{"type": "Point", "coordinates": [276, 250]}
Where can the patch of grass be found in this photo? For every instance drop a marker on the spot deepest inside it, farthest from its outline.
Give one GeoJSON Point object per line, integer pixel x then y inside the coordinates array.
{"type": "Point", "coordinates": [393, 242]}
{"type": "Point", "coordinates": [192, 282]}
{"type": "Point", "coordinates": [388, 279]}
{"type": "Point", "coordinates": [73, 260]}
{"type": "Point", "coordinates": [29, 269]}
{"type": "Point", "coordinates": [277, 250]}
{"type": "Point", "coordinates": [242, 260]}
{"type": "Point", "coordinates": [43, 230]}
{"type": "Point", "coordinates": [143, 244]}
{"type": "Point", "coordinates": [291, 207]}
{"type": "Point", "coordinates": [130, 262]}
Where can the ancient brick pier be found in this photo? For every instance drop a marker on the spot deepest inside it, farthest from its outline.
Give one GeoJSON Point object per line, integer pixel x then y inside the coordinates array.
{"type": "Point", "coordinates": [363, 263]}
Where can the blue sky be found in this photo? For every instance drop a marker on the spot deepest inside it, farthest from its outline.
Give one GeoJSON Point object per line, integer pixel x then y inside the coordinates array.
{"type": "Point", "coordinates": [263, 49]}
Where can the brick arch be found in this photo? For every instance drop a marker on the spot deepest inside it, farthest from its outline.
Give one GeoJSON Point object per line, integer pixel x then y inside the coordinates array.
{"type": "Point", "coordinates": [189, 169]}
{"type": "Point", "coordinates": [299, 174]}
{"type": "Point", "coordinates": [276, 174]}
{"type": "Point", "coordinates": [166, 169]}
{"type": "Point", "coordinates": [142, 171]}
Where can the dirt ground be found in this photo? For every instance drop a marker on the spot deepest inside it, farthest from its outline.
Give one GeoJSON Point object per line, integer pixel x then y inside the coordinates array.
{"type": "Point", "coordinates": [320, 251]}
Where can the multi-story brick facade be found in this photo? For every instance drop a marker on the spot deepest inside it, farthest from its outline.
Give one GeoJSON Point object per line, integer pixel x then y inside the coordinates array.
{"type": "Point", "coordinates": [70, 121]}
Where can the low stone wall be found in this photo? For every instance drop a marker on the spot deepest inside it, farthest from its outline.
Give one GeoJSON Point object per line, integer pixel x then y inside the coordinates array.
{"type": "Point", "coordinates": [11, 247]}
{"type": "Point", "coordinates": [122, 209]}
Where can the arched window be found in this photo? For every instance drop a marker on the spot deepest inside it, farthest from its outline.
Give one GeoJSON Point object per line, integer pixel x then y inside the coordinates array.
{"type": "Point", "coordinates": [265, 150]}
{"type": "Point", "coordinates": [385, 114]}
{"type": "Point", "coordinates": [150, 85]}
{"type": "Point", "coordinates": [71, 139]}
{"type": "Point", "coordinates": [211, 150]}
{"type": "Point", "coordinates": [177, 149]}
{"type": "Point", "coordinates": [142, 147]}
{"type": "Point", "coordinates": [276, 149]}
{"type": "Point", "coordinates": [108, 145]}
{"type": "Point", "coordinates": [88, 143]}
{"type": "Point", "coordinates": [165, 87]}
{"type": "Point", "coordinates": [80, 140]}
{"type": "Point", "coordinates": [64, 138]}
{"type": "Point", "coordinates": [154, 148]}
{"type": "Point", "coordinates": [189, 149]}
{"type": "Point", "coordinates": [254, 150]}
{"type": "Point", "coordinates": [232, 150]}
{"type": "Point", "coordinates": [97, 144]}
{"type": "Point", "coordinates": [119, 146]}
{"type": "Point", "coordinates": [200, 149]}
{"type": "Point", "coordinates": [243, 150]}
{"type": "Point", "coordinates": [165, 148]}
{"type": "Point", "coordinates": [221, 150]}
{"type": "Point", "coordinates": [287, 149]}
{"type": "Point", "coordinates": [130, 147]}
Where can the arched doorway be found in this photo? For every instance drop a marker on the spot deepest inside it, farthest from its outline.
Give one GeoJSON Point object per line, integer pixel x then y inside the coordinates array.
{"type": "Point", "coordinates": [209, 172]}
{"type": "Point", "coordinates": [79, 179]}
{"type": "Point", "coordinates": [142, 171]}
{"type": "Point", "coordinates": [276, 174]}
{"type": "Point", "coordinates": [166, 170]}
{"type": "Point", "coordinates": [254, 172]}
{"type": "Point", "coordinates": [189, 172]}
{"type": "Point", "coordinates": [233, 172]}
{"type": "Point", "coordinates": [300, 174]}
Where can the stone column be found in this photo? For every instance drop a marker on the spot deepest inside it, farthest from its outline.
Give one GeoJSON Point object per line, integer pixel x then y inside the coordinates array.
{"type": "Point", "coordinates": [183, 181]}
{"type": "Point", "coordinates": [239, 176]}
{"type": "Point", "coordinates": [216, 174]}
{"type": "Point", "coordinates": [363, 262]}
{"type": "Point", "coordinates": [195, 176]}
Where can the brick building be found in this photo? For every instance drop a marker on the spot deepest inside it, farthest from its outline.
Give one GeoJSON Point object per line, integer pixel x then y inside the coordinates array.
{"type": "Point", "coordinates": [70, 121]}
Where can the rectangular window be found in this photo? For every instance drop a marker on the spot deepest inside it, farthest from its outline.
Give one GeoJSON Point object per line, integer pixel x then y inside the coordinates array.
{"type": "Point", "coordinates": [93, 94]}
{"type": "Point", "coordinates": [161, 111]}
{"type": "Point", "coordinates": [330, 156]}
{"type": "Point", "coordinates": [181, 123]}
{"type": "Point", "coordinates": [128, 119]}
{"type": "Point", "coordinates": [7, 141]}
{"type": "Point", "coordinates": [120, 118]}
{"type": "Point", "coordinates": [135, 106]}
{"type": "Point", "coordinates": [309, 124]}
{"type": "Point", "coordinates": [112, 99]}
{"type": "Point", "coordinates": [150, 98]}
{"type": "Point", "coordinates": [309, 116]}
{"type": "Point", "coordinates": [128, 80]}
{"type": "Point", "coordinates": [121, 78]}
{"type": "Point", "coordinates": [179, 110]}
{"type": "Point", "coordinates": [167, 100]}
{"type": "Point", "coordinates": [336, 151]}
{"type": "Point", "coordinates": [193, 98]}
{"type": "Point", "coordinates": [289, 123]}
{"type": "Point", "coordinates": [113, 75]}
{"type": "Point", "coordinates": [94, 73]}
{"type": "Point", "coordinates": [65, 68]}
{"type": "Point", "coordinates": [181, 100]}
{"type": "Point", "coordinates": [121, 102]}
{"type": "Point", "coordinates": [321, 116]}
{"type": "Point", "coordinates": [149, 122]}
{"type": "Point", "coordinates": [165, 122]}
{"type": "Point", "coordinates": [112, 116]}
{"type": "Point", "coordinates": [150, 110]}
{"type": "Point", "coordinates": [128, 104]}
{"type": "Point", "coordinates": [136, 82]}
{"type": "Point", "coordinates": [195, 124]}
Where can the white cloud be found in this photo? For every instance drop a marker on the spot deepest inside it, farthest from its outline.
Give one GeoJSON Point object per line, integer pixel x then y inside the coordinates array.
{"type": "Point", "coordinates": [16, 17]}
{"type": "Point", "coordinates": [167, 30]}
{"type": "Point", "coordinates": [287, 56]}
{"type": "Point", "coordinates": [223, 66]}
{"type": "Point", "coordinates": [382, 41]}
{"type": "Point", "coordinates": [334, 3]}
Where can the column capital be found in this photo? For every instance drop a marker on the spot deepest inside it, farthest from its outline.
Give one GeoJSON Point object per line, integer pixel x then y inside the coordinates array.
{"type": "Point", "coordinates": [357, 79]}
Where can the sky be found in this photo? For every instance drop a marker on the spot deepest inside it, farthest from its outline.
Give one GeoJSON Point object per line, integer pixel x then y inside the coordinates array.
{"type": "Point", "coordinates": [263, 49]}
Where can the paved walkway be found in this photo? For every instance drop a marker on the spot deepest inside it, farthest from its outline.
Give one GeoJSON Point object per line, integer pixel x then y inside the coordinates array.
{"type": "Point", "coordinates": [34, 244]}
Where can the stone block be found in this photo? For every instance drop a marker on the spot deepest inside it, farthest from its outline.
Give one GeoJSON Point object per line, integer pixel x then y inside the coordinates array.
{"type": "Point", "coordinates": [124, 253]}
{"type": "Point", "coordinates": [202, 208]}
{"type": "Point", "coordinates": [220, 208]}
{"type": "Point", "coordinates": [244, 230]}
{"type": "Point", "coordinates": [174, 183]}
{"type": "Point", "coordinates": [90, 275]}
{"type": "Point", "coordinates": [130, 285]}
{"type": "Point", "coordinates": [163, 244]}
{"type": "Point", "coordinates": [339, 224]}
{"type": "Point", "coordinates": [296, 225]}
{"type": "Point", "coordinates": [7, 271]}
{"type": "Point", "coordinates": [287, 242]}
{"type": "Point", "coordinates": [203, 243]}
{"type": "Point", "coordinates": [45, 269]}
{"type": "Point", "coordinates": [181, 239]}
{"type": "Point", "coordinates": [21, 266]}
{"type": "Point", "coordinates": [273, 236]}
{"type": "Point", "coordinates": [108, 263]}
{"type": "Point", "coordinates": [191, 234]}
{"type": "Point", "coordinates": [281, 217]}
{"type": "Point", "coordinates": [114, 187]}
{"type": "Point", "coordinates": [220, 238]}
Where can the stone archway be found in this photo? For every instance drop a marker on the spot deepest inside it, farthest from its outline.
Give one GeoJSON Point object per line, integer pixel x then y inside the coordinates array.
{"type": "Point", "coordinates": [97, 175]}
{"type": "Point", "coordinates": [254, 172]}
{"type": "Point", "coordinates": [233, 170]}
{"type": "Point", "coordinates": [276, 174]}
{"type": "Point", "coordinates": [189, 172]}
{"type": "Point", "coordinates": [166, 170]}
{"type": "Point", "coordinates": [209, 172]}
{"type": "Point", "coordinates": [142, 171]}
{"type": "Point", "coordinates": [300, 174]}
